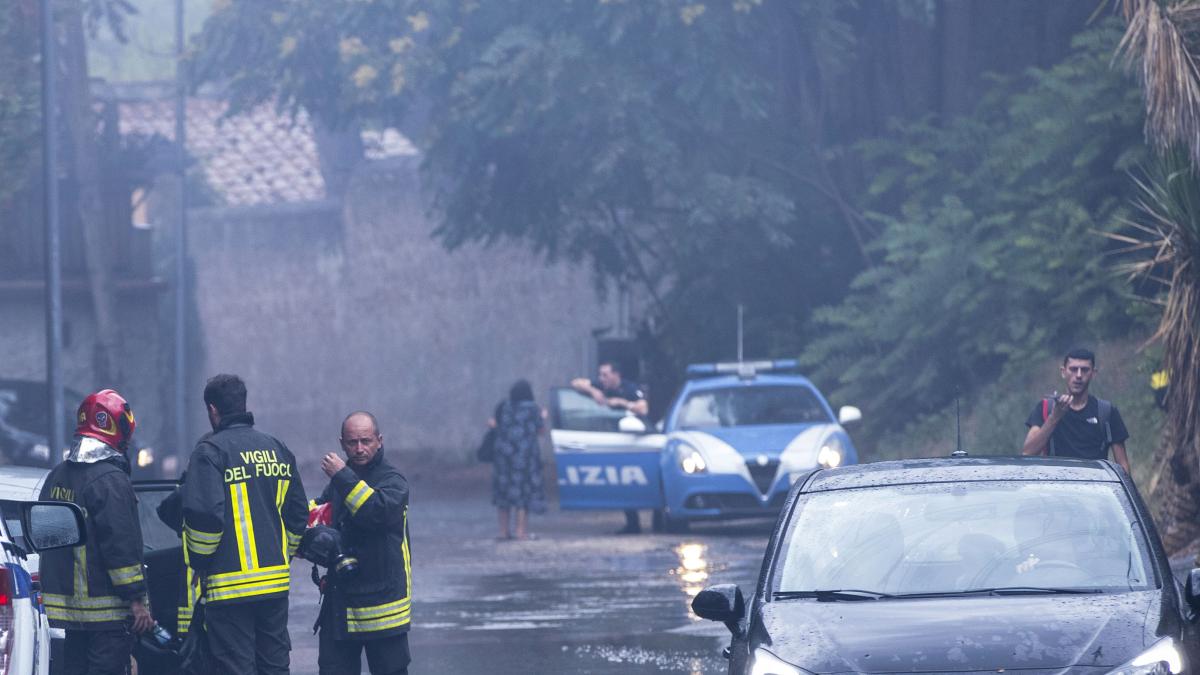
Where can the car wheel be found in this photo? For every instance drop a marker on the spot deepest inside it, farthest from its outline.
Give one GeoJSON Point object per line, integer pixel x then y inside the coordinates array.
{"type": "Point", "coordinates": [664, 522]}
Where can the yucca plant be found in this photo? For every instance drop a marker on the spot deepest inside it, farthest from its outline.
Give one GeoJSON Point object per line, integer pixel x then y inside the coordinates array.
{"type": "Point", "coordinates": [1162, 42]}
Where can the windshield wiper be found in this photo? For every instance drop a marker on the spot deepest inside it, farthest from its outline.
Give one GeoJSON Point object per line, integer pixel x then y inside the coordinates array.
{"type": "Point", "coordinates": [1003, 590]}
{"type": "Point", "coordinates": [1037, 590]}
{"type": "Point", "coordinates": [832, 595]}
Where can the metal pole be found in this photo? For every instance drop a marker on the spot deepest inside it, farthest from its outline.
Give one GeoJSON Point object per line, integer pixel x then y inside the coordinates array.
{"type": "Point", "coordinates": [740, 355]}
{"type": "Point", "coordinates": [54, 309]}
{"type": "Point", "coordinates": [181, 431]}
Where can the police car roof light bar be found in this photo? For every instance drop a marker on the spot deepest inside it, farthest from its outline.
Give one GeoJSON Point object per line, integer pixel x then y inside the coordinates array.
{"type": "Point", "coordinates": [743, 369]}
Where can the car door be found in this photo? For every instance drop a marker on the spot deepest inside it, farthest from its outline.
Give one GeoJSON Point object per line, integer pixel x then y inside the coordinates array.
{"type": "Point", "coordinates": [598, 465]}
{"type": "Point", "coordinates": [163, 558]}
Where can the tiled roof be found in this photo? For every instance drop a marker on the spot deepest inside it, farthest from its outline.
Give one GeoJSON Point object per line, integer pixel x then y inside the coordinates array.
{"type": "Point", "coordinates": [254, 158]}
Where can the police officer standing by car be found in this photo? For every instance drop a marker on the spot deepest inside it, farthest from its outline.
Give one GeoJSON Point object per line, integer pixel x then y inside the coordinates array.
{"type": "Point", "coordinates": [611, 389]}
{"type": "Point", "coordinates": [244, 512]}
{"type": "Point", "coordinates": [371, 610]}
{"type": "Point", "coordinates": [97, 591]}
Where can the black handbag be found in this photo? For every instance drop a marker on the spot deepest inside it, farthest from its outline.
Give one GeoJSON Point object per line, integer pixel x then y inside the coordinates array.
{"type": "Point", "coordinates": [487, 447]}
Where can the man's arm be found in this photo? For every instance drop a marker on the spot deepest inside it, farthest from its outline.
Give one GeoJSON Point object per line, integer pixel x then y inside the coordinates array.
{"type": "Point", "coordinates": [584, 386]}
{"type": "Point", "coordinates": [1121, 457]}
{"type": "Point", "coordinates": [639, 407]}
{"type": "Point", "coordinates": [203, 509]}
{"type": "Point", "coordinates": [1038, 438]}
{"type": "Point", "coordinates": [111, 503]}
{"type": "Point", "coordinates": [294, 512]}
{"type": "Point", "coordinates": [381, 505]}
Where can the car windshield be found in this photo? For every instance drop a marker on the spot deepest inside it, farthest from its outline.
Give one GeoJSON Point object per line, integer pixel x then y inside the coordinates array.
{"type": "Point", "coordinates": [749, 405]}
{"type": "Point", "coordinates": [964, 537]}
{"type": "Point", "coordinates": [574, 411]}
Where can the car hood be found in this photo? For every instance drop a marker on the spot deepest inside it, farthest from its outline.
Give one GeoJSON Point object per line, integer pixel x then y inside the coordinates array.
{"type": "Point", "coordinates": [769, 440]}
{"type": "Point", "coordinates": [960, 634]}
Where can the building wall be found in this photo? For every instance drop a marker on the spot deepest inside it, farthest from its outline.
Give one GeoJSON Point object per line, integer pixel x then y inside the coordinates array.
{"type": "Point", "coordinates": [23, 344]}
{"type": "Point", "coordinates": [324, 311]}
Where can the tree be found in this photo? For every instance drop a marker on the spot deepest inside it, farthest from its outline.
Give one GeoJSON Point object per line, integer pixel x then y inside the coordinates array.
{"type": "Point", "coordinates": [18, 97]}
{"type": "Point", "coordinates": [1162, 39]}
{"type": "Point", "coordinates": [987, 253]}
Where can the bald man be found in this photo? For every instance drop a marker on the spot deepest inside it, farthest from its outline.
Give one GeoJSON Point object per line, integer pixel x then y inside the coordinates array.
{"type": "Point", "coordinates": [368, 611]}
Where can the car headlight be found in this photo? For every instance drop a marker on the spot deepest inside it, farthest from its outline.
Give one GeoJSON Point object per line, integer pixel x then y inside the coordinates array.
{"type": "Point", "coordinates": [831, 453]}
{"type": "Point", "coordinates": [765, 663]}
{"type": "Point", "coordinates": [690, 459]}
{"type": "Point", "coordinates": [1162, 658]}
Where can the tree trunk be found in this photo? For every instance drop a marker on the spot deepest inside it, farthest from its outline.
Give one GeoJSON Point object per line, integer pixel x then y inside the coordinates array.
{"type": "Point", "coordinates": [99, 250]}
{"type": "Point", "coordinates": [1178, 496]}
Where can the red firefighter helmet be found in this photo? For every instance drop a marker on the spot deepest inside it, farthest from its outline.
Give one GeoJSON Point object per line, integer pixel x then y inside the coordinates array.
{"type": "Point", "coordinates": [106, 417]}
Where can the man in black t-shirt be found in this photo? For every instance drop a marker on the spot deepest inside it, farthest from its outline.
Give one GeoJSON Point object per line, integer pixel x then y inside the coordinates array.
{"type": "Point", "coordinates": [1073, 424]}
{"type": "Point", "coordinates": [612, 390]}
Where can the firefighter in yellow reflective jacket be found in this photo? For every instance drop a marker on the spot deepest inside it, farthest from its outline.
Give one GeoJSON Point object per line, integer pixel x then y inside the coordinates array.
{"type": "Point", "coordinates": [243, 513]}
{"type": "Point", "coordinates": [97, 591]}
{"type": "Point", "coordinates": [369, 611]}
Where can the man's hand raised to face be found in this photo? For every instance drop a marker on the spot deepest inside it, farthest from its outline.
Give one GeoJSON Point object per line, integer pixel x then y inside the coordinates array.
{"type": "Point", "coordinates": [332, 463]}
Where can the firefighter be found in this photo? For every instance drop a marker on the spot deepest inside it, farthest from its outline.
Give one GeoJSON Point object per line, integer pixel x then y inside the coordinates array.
{"type": "Point", "coordinates": [170, 512]}
{"type": "Point", "coordinates": [371, 610]}
{"type": "Point", "coordinates": [244, 511]}
{"type": "Point", "coordinates": [97, 591]}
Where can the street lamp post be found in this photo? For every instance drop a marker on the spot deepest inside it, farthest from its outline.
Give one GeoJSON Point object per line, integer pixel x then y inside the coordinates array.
{"type": "Point", "coordinates": [54, 310]}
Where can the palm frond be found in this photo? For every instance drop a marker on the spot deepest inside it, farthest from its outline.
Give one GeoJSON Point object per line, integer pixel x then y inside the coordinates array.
{"type": "Point", "coordinates": [1162, 42]}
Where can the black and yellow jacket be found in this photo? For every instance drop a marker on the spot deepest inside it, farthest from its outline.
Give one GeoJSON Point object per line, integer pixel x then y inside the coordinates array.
{"type": "Point", "coordinates": [90, 587]}
{"type": "Point", "coordinates": [370, 509]}
{"type": "Point", "coordinates": [170, 512]}
{"type": "Point", "coordinates": [244, 511]}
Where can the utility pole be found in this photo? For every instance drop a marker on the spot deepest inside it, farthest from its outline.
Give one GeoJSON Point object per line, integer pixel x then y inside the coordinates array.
{"type": "Point", "coordinates": [54, 309]}
{"type": "Point", "coordinates": [181, 431]}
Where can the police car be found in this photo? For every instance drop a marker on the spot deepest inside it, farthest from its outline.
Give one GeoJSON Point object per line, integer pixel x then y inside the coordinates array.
{"type": "Point", "coordinates": [731, 444]}
{"type": "Point", "coordinates": [27, 527]}
{"type": "Point", "coordinates": [163, 559]}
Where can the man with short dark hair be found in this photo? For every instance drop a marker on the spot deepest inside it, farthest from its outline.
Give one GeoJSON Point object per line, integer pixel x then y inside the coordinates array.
{"type": "Point", "coordinates": [1077, 424]}
{"type": "Point", "coordinates": [610, 388]}
{"type": "Point", "coordinates": [244, 512]}
{"type": "Point", "coordinates": [371, 610]}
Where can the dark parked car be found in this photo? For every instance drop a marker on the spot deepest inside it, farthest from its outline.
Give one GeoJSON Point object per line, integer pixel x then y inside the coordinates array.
{"type": "Point", "coordinates": [24, 423]}
{"type": "Point", "coordinates": [1001, 564]}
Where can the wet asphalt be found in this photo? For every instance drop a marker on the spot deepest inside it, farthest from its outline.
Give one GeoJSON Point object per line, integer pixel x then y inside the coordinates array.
{"type": "Point", "coordinates": [577, 599]}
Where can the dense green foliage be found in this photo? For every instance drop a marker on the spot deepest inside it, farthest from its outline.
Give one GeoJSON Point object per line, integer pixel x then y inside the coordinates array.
{"type": "Point", "coordinates": [572, 126]}
{"type": "Point", "coordinates": [19, 102]}
{"type": "Point", "coordinates": [989, 253]}
{"type": "Point", "coordinates": [711, 154]}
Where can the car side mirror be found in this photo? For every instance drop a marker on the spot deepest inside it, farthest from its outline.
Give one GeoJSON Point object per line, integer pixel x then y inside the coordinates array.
{"type": "Point", "coordinates": [1191, 590]}
{"type": "Point", "coordinates": [50, 525]}
{"type": "Point", "coordinates": [630, 424]}
{"type": "Point", "coordinates": [724, 603]}
{"type": "Point", "coordinates": [849, 414]}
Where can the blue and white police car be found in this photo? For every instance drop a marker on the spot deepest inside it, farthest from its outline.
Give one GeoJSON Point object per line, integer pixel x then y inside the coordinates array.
{"type": "Point", "coordinates": [731, 445]}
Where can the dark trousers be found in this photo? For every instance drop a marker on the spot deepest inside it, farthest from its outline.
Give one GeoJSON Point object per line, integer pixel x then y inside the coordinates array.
{"type": "Point", "coordinates": [249, 637]}
{"type": "Point", "coordinates": [97, 652]}
{"type": "Point", "coordinates": [385, 656]}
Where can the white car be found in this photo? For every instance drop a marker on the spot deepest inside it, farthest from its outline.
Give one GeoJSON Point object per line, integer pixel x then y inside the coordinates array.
{"type": "Point", "coordinates": [27, 527]}
{"type": "Point", "coordinates": [163, 557]}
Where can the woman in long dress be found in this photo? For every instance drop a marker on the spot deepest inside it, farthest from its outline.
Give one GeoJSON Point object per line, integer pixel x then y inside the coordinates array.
{"type": "Point", "coordinates": [517, 483]}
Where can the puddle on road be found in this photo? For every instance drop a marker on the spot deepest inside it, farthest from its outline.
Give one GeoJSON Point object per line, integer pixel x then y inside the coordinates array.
{"type": "Point", "coordinates": [600, 614]}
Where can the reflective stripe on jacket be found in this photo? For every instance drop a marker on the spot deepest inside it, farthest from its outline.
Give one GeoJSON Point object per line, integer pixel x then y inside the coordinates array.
{"type": "Point", "coordinates": [370, 508]}
{"type": "Point", "coordinates": [243, 512]}
{"type": "Point", "coordinates": [90, 587]}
